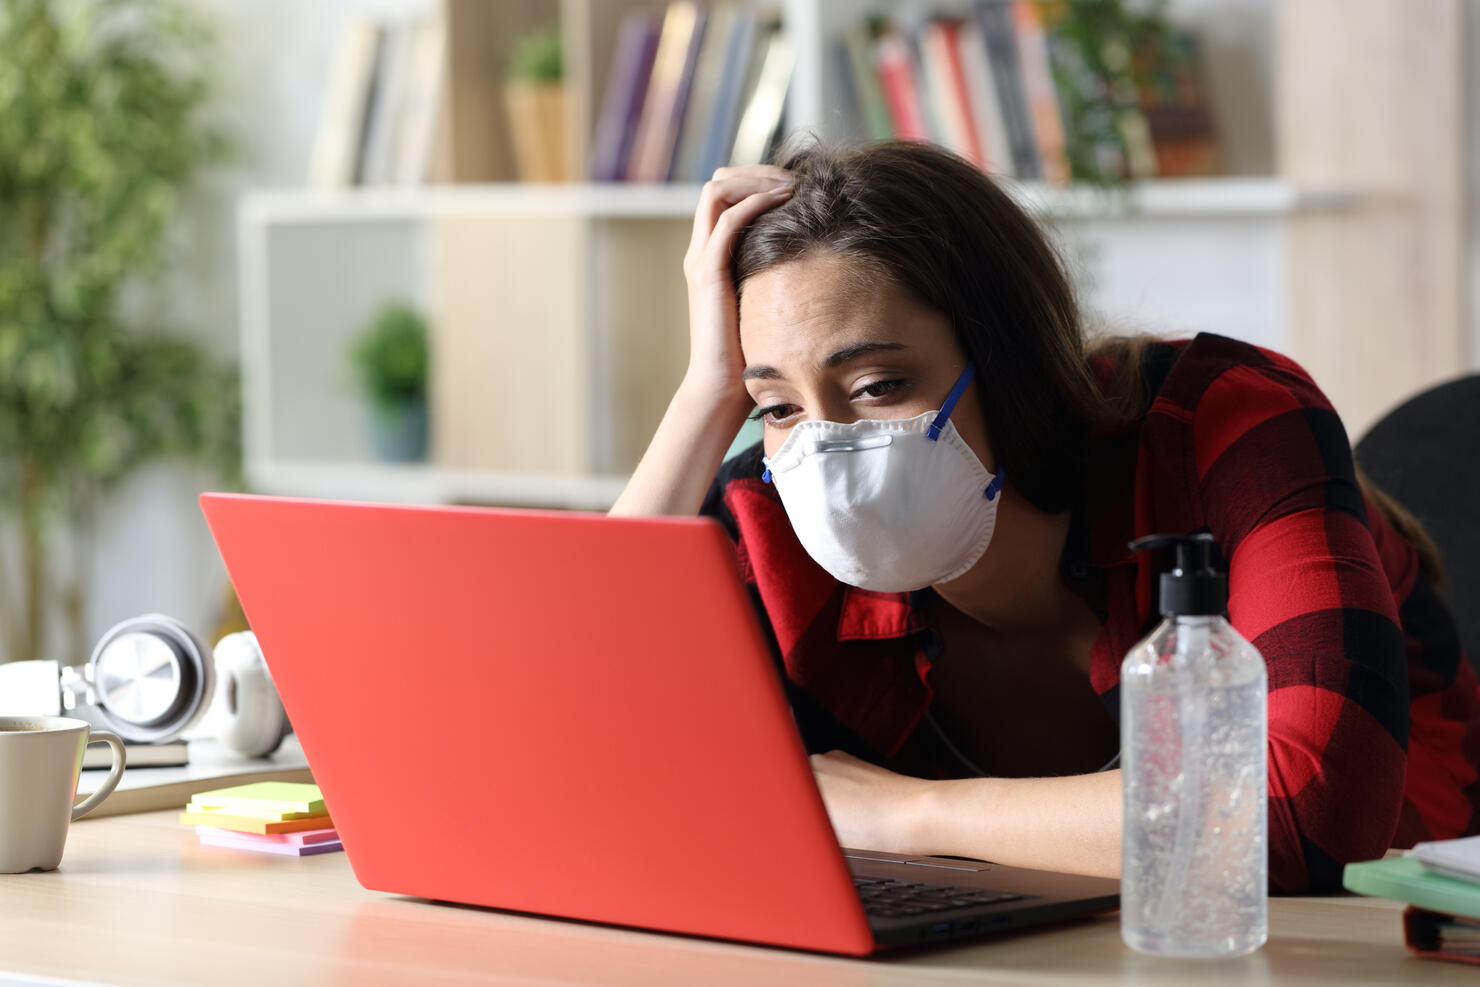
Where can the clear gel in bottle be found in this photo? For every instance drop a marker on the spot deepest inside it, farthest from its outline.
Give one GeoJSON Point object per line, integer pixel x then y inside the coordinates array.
{"type": "Point", "coordinates": [1195, 846]}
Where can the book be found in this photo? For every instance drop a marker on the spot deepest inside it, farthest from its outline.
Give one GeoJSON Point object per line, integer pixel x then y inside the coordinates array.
{"type": "Point", "coordinates": [873, 114]}
{"type": "Point", "coordinates": [1407, 879]}
{"type": "Point", "coordinates": [1042, 96]}
{"type": "Point", "coordinates": [901, 89]}
{"type": "Point", "coordinates": [929, 99]}
{"type": "Point", "coordinates": [667, 91]}
{"type": "Point", "coordinates": [383, 119]}
{"type": "Point", "coordinates": [1444, 920]}
{"type": "Point", "coordinates": [939, 42]}
{"type": "Point", "coordinates": [698, 111]}
{"type": "Point", "coordinates": [1458, 858]}
{"type": "Point", "coordinates": [626, 89]}
{"type": "Point", "coordinates": [1439, 936]}
{"type": "Point", "coordinates": [994, 19]}
{"type": "Point", "coordinates": [335, 158]}
{"type": "Point", "coordinates": [167, 755]}
{"type": "Point", "coordinates": [762, 118]}
{"type": "Point", "coordinates": [737, 83]}
{"type": "Point", "coordinates": [985, 104]}
{"type": "Point", "coordinates": [421, 105]}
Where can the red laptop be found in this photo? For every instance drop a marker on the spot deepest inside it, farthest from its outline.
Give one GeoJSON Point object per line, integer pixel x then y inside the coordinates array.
{"type": "Point", "coordinates": [496, 718]}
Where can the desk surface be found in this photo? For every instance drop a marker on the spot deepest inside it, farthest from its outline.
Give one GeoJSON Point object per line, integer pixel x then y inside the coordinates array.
{"type": "Point", "coordinates": [137, 900]}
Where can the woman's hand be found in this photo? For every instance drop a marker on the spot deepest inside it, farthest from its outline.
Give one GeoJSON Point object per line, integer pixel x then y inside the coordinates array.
{"type": "Point", "coordinates": [710, 404]}
{"type": "Point", "coordinates": [730, 202]}
{"type": "Point", "coordinates": [871, 808]}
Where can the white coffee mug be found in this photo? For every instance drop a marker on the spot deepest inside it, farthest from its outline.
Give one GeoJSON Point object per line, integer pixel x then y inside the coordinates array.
{"type": "Point", "coordinates": [40, 760]}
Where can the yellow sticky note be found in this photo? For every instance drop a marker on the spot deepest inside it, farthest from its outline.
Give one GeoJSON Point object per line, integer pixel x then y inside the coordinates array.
{"type": "Point", "coordinates": [277, 797]}
{"type": "Point", "coordinates": [247, 824]}
{"type": "Point", "coordinates": [247, 809]}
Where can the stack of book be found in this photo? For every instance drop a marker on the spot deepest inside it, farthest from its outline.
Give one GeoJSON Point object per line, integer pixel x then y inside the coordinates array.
{"type": "Point", "coordinates": [267, 817]}
{"type": "Point", "coordinates": [378, 121]}
{"type": "Point", "coordinates": [999, 87]}
{"type": "Point", "coordinates": [700, 88]}
{"type": "Point", "coordinates": [1440, 881]}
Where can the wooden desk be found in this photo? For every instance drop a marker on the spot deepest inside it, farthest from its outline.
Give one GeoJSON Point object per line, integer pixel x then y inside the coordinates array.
{"type": "Point", "coordinates": [138, 901]}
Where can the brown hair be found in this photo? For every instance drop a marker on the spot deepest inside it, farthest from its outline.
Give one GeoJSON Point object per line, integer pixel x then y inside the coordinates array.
{"type": "Point", "coordinates": [945, 232]}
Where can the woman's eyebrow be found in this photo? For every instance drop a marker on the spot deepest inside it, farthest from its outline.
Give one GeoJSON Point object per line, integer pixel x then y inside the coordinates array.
{"type": "Point", "coordinates": [847, 353]}
{"type": "Point", "coordinates": [836, 359]}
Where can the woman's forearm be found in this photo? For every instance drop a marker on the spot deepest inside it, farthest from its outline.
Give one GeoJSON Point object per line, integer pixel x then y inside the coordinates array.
{"type": "Point", "coordinates": [685, 453]}
{"type": "Point", "coordinates": [1065, 824]}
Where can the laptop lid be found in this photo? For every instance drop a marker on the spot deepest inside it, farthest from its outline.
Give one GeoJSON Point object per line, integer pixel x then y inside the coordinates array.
{"type": "Point", "coordinates": [559, 713]}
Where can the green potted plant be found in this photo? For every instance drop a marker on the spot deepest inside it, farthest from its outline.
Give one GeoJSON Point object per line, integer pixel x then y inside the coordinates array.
{"type": "Point", "coordinates": [104, 125]}
{"type": "Point", "coordinates": [390, 357]}
{"type": "Point", "coordinates": [534, 96]}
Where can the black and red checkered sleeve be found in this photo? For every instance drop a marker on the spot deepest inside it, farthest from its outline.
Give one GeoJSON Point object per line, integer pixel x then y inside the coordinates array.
{"type": "Point", "coordinates": [1276, 486]}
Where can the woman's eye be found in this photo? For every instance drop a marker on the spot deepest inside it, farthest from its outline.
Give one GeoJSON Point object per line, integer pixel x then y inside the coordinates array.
{"type": "Point", "coordinates": [774, 413]}
{"type": "Point", "coordinates": [879, 388]}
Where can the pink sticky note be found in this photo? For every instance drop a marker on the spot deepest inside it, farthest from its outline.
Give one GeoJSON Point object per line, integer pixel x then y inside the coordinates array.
{"type": "Point", "coordinates": [297, 839]}
{"type": "Point", "coordinates": [285, 849]}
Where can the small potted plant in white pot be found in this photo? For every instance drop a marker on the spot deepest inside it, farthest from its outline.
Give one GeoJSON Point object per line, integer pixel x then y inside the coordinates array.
{"type": "Point", "coordinates": [390, 358]}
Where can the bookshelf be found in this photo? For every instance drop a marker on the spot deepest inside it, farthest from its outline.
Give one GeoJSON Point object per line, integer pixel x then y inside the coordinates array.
{"type": "Point", "coordinates": [560, 311]}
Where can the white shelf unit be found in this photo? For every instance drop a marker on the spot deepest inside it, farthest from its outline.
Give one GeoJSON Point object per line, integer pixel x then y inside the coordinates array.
{"type": "Point", "coordinates": [314, 263]}
{"type": "Point", "coordinates": [1296, 252]}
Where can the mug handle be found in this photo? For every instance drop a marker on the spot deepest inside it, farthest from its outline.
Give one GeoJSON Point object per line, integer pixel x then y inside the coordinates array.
{"type": "Point", "coordinates": [115, 772]}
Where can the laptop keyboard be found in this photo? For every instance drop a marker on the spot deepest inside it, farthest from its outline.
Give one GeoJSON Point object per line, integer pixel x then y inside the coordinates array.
{"type": "Point", "coordinates": [898, 899]}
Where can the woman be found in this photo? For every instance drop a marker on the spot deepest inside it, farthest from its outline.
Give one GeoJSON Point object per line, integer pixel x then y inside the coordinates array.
{"type": "Point", "coordinates": [956, 663]}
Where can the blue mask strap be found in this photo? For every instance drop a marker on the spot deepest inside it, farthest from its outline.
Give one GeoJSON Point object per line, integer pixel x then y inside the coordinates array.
{"type": "Point", "coordinates": [995, 487]}
{"type": "Point", "coordinates": [933, 432]}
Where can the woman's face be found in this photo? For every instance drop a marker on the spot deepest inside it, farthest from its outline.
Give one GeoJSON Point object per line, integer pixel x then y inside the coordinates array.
{"type": "Point", "coordinates": [826, 338]}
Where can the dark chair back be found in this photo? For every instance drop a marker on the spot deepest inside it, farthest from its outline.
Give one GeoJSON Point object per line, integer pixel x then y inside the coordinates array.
{"type": "Point", "coordinates": [1426, 454]}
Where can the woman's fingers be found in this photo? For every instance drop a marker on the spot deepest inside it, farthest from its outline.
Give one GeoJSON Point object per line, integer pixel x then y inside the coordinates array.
{"type": "Point", "coordinates": [771, 171]}
{"type": "Point", "coordinates": [715, 259]}
{"type": "Point", "coordinates": [727, 188]}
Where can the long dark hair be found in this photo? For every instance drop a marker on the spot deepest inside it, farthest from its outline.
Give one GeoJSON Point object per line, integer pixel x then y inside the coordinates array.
{"type": "Point", "coordinates": [945, 232]}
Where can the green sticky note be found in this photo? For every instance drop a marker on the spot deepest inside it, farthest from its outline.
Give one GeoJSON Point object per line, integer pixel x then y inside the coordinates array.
{"type": "Point", "coordinates": [263, 796]}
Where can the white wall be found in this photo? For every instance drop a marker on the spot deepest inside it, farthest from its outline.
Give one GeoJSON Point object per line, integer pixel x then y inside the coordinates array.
{"type": "Point", "coordinates": [154, 552]}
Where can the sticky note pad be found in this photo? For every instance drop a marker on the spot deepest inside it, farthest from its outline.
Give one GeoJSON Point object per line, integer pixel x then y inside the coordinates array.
{"type": "Point", "coordinates": [287, 849]}
{"type": "Point", "coordinates": [301, 838]}
{"type": "Point", "coordinates": [249, 824]}
{"type": "Point", "coordinates": [263, 796]}
{"type": "Point", "coordinates": [250, 811]}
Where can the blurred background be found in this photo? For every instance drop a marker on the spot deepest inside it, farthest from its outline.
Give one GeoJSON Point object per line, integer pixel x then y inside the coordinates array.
{"type": "Point", "coordinates": [429, 250]}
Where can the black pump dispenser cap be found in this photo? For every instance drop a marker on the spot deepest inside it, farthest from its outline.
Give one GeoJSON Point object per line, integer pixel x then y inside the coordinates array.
{"type": "Point", "coordinates": [1194, 588]}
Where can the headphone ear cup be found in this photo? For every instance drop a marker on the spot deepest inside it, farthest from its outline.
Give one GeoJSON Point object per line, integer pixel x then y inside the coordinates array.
{"type": "Point", "coordinates": [251, 719]}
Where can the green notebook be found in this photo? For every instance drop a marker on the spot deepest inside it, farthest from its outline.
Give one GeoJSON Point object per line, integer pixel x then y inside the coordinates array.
{"type": "Point", "coordinates": [1406, 879]}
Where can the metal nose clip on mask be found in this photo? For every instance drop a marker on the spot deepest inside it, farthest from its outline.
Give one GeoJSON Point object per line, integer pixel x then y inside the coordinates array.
{"type": "Point", "coordinates": [890, 506]}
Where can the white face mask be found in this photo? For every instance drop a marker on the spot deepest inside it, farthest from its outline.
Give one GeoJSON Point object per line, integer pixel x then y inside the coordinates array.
{"type": "Point", "coordinates": [890, 506]}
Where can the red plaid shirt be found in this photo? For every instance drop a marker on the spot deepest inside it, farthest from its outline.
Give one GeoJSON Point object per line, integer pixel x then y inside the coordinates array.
{"type": "Point", "coordinates": [1374, 715]}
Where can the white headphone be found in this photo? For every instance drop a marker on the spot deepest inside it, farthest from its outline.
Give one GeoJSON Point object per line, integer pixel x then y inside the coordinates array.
{"type": "Point", "coordinates": [150, 679]}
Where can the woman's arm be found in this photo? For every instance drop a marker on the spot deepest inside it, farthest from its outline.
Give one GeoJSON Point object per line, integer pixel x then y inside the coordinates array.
{"type": "Point", "coordinates": [1277, 487]}
{"type": "Point", "coordinates": [710, 405]}
{"type": "Point", "coordinates": [1065, 824]}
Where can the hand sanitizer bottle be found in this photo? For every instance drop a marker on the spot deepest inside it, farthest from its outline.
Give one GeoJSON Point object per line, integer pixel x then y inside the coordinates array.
{"type": "Point", "coordinates": [1195, 846]}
